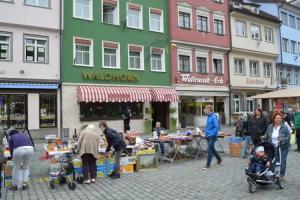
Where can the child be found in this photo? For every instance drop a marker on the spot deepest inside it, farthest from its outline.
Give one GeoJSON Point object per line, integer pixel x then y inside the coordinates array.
{"type": "Point", "coordinates": [259, 162]}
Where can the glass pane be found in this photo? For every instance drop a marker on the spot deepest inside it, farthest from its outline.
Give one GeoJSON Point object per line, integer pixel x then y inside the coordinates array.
{"type": "Point", "coordinates": [41, 54]}
{"type": "Point", "coordinates": [78, 59]}
{"type": "Point", "coordinates": [113, 61]}
{"type": "Point", "coordinates": [106, 60]}
{"type": "Point", "coordinates": [86, 58]}
{"type": "Point", "coordinates": [47, 111]}
{"type": "Point", "coordinates": [29, 41]}
{"type": "Point", "coordinates": [30, 53]}
{"type": "Point", "coordinates": [41, 42]}
{"type": "Point", "coordinates": [4, 51]}
{"type": "Point", "coordinates": [3, 111]}
{"type": "Point", "coordinates": [17, 111]}
{"type": "Point", "coordinates": [4, 38]}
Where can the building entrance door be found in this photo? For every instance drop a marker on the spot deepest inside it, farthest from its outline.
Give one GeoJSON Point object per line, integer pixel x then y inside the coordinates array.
{"type": "Point", "coordinates": [161, 113]}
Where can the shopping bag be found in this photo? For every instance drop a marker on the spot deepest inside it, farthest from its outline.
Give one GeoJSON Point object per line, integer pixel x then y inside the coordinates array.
{"type": "Point", "coordinates": [293, 139]}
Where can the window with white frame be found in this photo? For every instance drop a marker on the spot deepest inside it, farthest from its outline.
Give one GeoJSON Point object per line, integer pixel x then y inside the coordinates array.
{"type": "Point", "coordinates": [110, 12]}
{"type": "Point", "coordinates": [83, 52]}
{"type": "Point", "coordinates": [293, 47]}
{"type": "Point", "coordinates": [285, 45]}
{"type": "Point", "coordinates": [239, 66]}
{"type": "Point", "coordinates": [240, 28]}
{"type": "Point", "coordinates": [157, 59]}
{"type": "Point", "coordinates": [281, 73]}
{"type": "Point", "coordinates": [36, 49]}
{"type": "Point", "coordinates": [298, 23]}
{"type": "Point", "coordinates": [134, 16]}
{"type": "Point", "coordinates": [110, 55]}
{"type": "Point", "coordinates": [236, 103]}
{"type": "Point", "coordinates": [40, 3]}
{"type": "Point", "coordinates": [184, 63]}
{"type": "Point", "coordinates": [297, 77]}
{"type": "Point", "coordinates": [5, 46]}
{"type": "Point", "coordinates": [219, 1]}
{"type": "Point", "coordinates": [250, 104]}
{"type": "Point", "coordinates": [269, 35]}
{"type": "Point", "coordinates": [268, 70]}
{"type": "Point", "coordinates": [284, 18]}
{"type": "Point", "coordinates": [289, 76]}
{"type": "Point", "coordinates": [135, 57]}
{"type": "Point", "coordinates": [254, 68]}
{"type": "Point", "coordinates": [218, 66]}
{"type": "Point", "coordinates": [156, 20]}
{"type": "Point", "coordinates": [83, 9]}
{"type": "Point", "coordinates": [184, 20]}
{"type": "Point", "coordinates": [219, 27]}
{"type": "Point", "coordinates": [292, 21]}
{"type": "Point", "coordinates": [202, 23]}
{"type": "Point", "coordinates": [255, 32]}
{"type": "Point", "coordinates": [202, 65]}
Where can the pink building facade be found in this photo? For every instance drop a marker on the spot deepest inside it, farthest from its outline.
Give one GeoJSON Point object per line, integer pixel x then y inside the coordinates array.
{"type": "Point", "coordinates": [200, 43]}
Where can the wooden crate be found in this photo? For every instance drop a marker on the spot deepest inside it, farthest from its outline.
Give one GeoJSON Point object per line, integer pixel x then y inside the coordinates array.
{"type": "Point", "coordinates": [235, 149]}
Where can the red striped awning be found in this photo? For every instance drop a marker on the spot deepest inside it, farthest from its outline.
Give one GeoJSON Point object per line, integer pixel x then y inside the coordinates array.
{"type": "Point", "coordinates": [113, 94]}
{"type": "Point", "coordinates": [164, 95]}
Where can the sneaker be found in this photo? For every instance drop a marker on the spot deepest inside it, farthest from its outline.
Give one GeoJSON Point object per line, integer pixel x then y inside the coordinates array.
{"type": "Point", "coordinates": [205, 167]}
{"type": "Point", "coordinates": [219, 162]}
{"type": "Point", "coordinates": [24, 187]}
{"type": "Point", "coordinates": [87, 181]}
{"type": "Point", "coordinates": [115, 176]}
{"type": "Point", "coordinates": [111, 174]}
{"type": "Point", "coordinates": [93, 180]}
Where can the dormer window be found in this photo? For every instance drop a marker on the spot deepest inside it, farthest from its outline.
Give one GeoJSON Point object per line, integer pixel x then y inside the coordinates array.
{"type": "Point", "coordinates": [236, 4]}
{"type": "Point", "coordinates": [255, 10]}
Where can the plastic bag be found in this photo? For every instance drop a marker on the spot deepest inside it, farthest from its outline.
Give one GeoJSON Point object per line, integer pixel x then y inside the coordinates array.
{"type": "Point", "coordinates": [293, 139]}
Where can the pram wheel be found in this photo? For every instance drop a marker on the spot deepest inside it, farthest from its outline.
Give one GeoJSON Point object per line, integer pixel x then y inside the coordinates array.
{"type": "Point", "coordinates": [62, 180]}
{"type": "Point", "coordinates": [79, 180]}
{"type": "Point", "coordinates": [252, 187]}
{"type": "Point", "coordinates": [281, 184]}
{"type": "Point", "coordinates": [52, 185]}
{"type": "Point", "coordinates": [72, 186]}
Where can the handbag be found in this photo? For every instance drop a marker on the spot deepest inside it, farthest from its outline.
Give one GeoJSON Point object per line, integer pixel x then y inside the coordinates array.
{"type": "Point", "coordinates": [293, 138]}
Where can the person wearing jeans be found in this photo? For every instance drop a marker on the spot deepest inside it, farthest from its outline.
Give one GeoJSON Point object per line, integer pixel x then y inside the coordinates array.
{"type": "Point", "coordinates": [114, 140]}
{"type": "Point", "coordinates": [21, 150]}
{"type": "Point", "coordinates": [211, 131]}
{"type": "Point", "coordinates": [247, 142]}
{"type": "Point", "coordinates": [87, 149]}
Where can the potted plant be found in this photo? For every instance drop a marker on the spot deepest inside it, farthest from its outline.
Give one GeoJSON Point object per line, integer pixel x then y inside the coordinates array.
{"type": "Point", "coordinates": [148, 120]}
{"type": "Point", "coordinates": [173, 118]}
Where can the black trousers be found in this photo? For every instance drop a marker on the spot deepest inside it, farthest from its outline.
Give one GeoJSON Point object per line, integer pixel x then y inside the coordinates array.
{"type": "Point", "coordinates": [298, 138]}
{"type": "Point", "coordinates": [89, 166]}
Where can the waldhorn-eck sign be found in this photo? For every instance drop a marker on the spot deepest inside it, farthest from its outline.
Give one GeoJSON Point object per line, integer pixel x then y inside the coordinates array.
{"type": "Point", "coordinates": [215, 80]}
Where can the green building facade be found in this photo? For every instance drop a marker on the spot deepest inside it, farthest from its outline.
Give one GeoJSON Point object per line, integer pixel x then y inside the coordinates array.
{"type": "Point", "coordinates": [115, 55]}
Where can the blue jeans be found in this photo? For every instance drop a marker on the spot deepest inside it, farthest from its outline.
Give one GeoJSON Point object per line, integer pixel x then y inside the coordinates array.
{"type": "Point", "coordinates": [284, 154]}
{"type": "Point", "coordinates": [247, 141]}
{"type": "Point", "coordinates": [212, 151]}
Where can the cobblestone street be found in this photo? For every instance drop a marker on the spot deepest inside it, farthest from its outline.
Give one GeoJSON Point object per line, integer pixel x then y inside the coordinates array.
{"type": "Point", "coordinates": [182, 180]}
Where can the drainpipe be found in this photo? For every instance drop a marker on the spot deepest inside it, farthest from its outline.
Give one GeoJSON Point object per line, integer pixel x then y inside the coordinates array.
{"type": "Point", "coordinates": [280, 46]}
{"type": "Point", "coordinates": [60, 66]}
{"type": "Point", "coordinates": [228, 63]}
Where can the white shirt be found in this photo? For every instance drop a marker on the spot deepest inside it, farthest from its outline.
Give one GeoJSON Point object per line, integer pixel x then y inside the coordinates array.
{"type": "Point", "coordinates": [275, 136]}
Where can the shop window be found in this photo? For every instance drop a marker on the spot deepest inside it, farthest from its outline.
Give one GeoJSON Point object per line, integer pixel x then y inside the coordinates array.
{"type": "Point", "coordinates": [184, 63]}
{"type": "Point", "coordinates": [240, 28]}
{"type": "Point", "coordinates": [239, 66]}
{"type": "Point", "coordinates": [83, 52]}
{"type": "Point", "coordinates": [3, 111]}
{"type": "Point", "coordinates": [218, 66]}
{"type": "Point", "coordinates": [110, 12]}
{"type": "Point", "coordinates": [136, 57]}
{"type": "Point", "coordinates": [5, 46]}
{"type": "Point", "coordinates": [40, 3]}
{"type": "Point", "coordinates": [202, 65]}
{"type": "Point", "coordinates": [219, 27]}
{"type": "Point", "coordinates": [134, 16]}
{"type": "Point", "coordinates": [269, 35]}
{"type": "Point", "coordinates": [83, 9]}
{"type": "Point", "coordinates": [255, 32]}
{"type": "Point", "coordinates": [283, 17]}
{"type": "Point", "coordinates": [202, 23]}
{"type": "Point", "coordinates": [254, 68]}
{"type": "Point", "coordinates": [109, 111]}
{"type": "Point", "coordinates": [156, 20]}
{"type": "Point", "coordinates": [268, 70]}
{"type": "Point", "coordinates": [36, 49]}
{"type": "Point", "coordinates": [157, 59]}
{"type": "Point", "coordinates": [236, 103]}
{"type": "Point", "coordinates": [111, 55]}
{"type": "Point", "coordinates": [48, 110]}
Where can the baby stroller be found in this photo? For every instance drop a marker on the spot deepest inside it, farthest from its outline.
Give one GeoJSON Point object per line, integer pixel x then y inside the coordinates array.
{"type": "Point", "coordinates": [267, 176]}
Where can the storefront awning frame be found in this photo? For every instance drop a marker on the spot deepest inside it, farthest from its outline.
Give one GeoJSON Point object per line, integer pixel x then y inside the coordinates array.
{"type": "Point", "coordinates": [278, 94]}
{"type": "Point", "coordinates": [23, 85]}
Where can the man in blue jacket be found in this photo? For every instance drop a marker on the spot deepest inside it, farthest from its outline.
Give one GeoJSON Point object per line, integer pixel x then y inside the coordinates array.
{"type": "Point", "coordinates": [211, 132]}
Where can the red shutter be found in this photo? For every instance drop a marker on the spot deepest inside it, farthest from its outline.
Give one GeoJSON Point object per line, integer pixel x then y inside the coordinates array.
{"type": "Point", "coordinates": [82, 41]}
{"type": "Point", "coordinates": [110, 2]}
{"type": "Point", "coordinates": [110, 45]}
{"type": "Point", "coordinates": [135, 48]}
{"type": "Point", "coordinates": [155, 11]}
{"type": "Point", "coordinates": [134, 7]}
{"type": "Point", "coordinates": [157, 50]}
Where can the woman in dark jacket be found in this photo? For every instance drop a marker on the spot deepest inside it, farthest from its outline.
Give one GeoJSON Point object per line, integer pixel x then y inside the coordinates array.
{"type": "Point", "coordinates": [278, 134]}
{"type": "Point", "coordinates": [115, 140]}
{"type": "Point", "coordinates": [257, 126]}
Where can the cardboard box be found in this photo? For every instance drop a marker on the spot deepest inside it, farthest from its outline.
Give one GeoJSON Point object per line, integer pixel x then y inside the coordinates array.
{"type": "Point", "coordinates": [128, 160]}
{"type": "Point", "coordinates": [127, 168]}
{"type": "Point", "coordinates": [145, 152]}
{"type": "Point", "coordinates": [8, 170]}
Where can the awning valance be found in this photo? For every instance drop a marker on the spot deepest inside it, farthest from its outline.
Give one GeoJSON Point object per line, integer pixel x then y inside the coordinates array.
{"type": "Point", "coordinates": [164, 95]}
{"type": "Point", "coordinates": [285, 93]}
{"type": "Point", "coordinates": [113, 94]}
{"type": "Point", "coordinates": [24, 85]}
